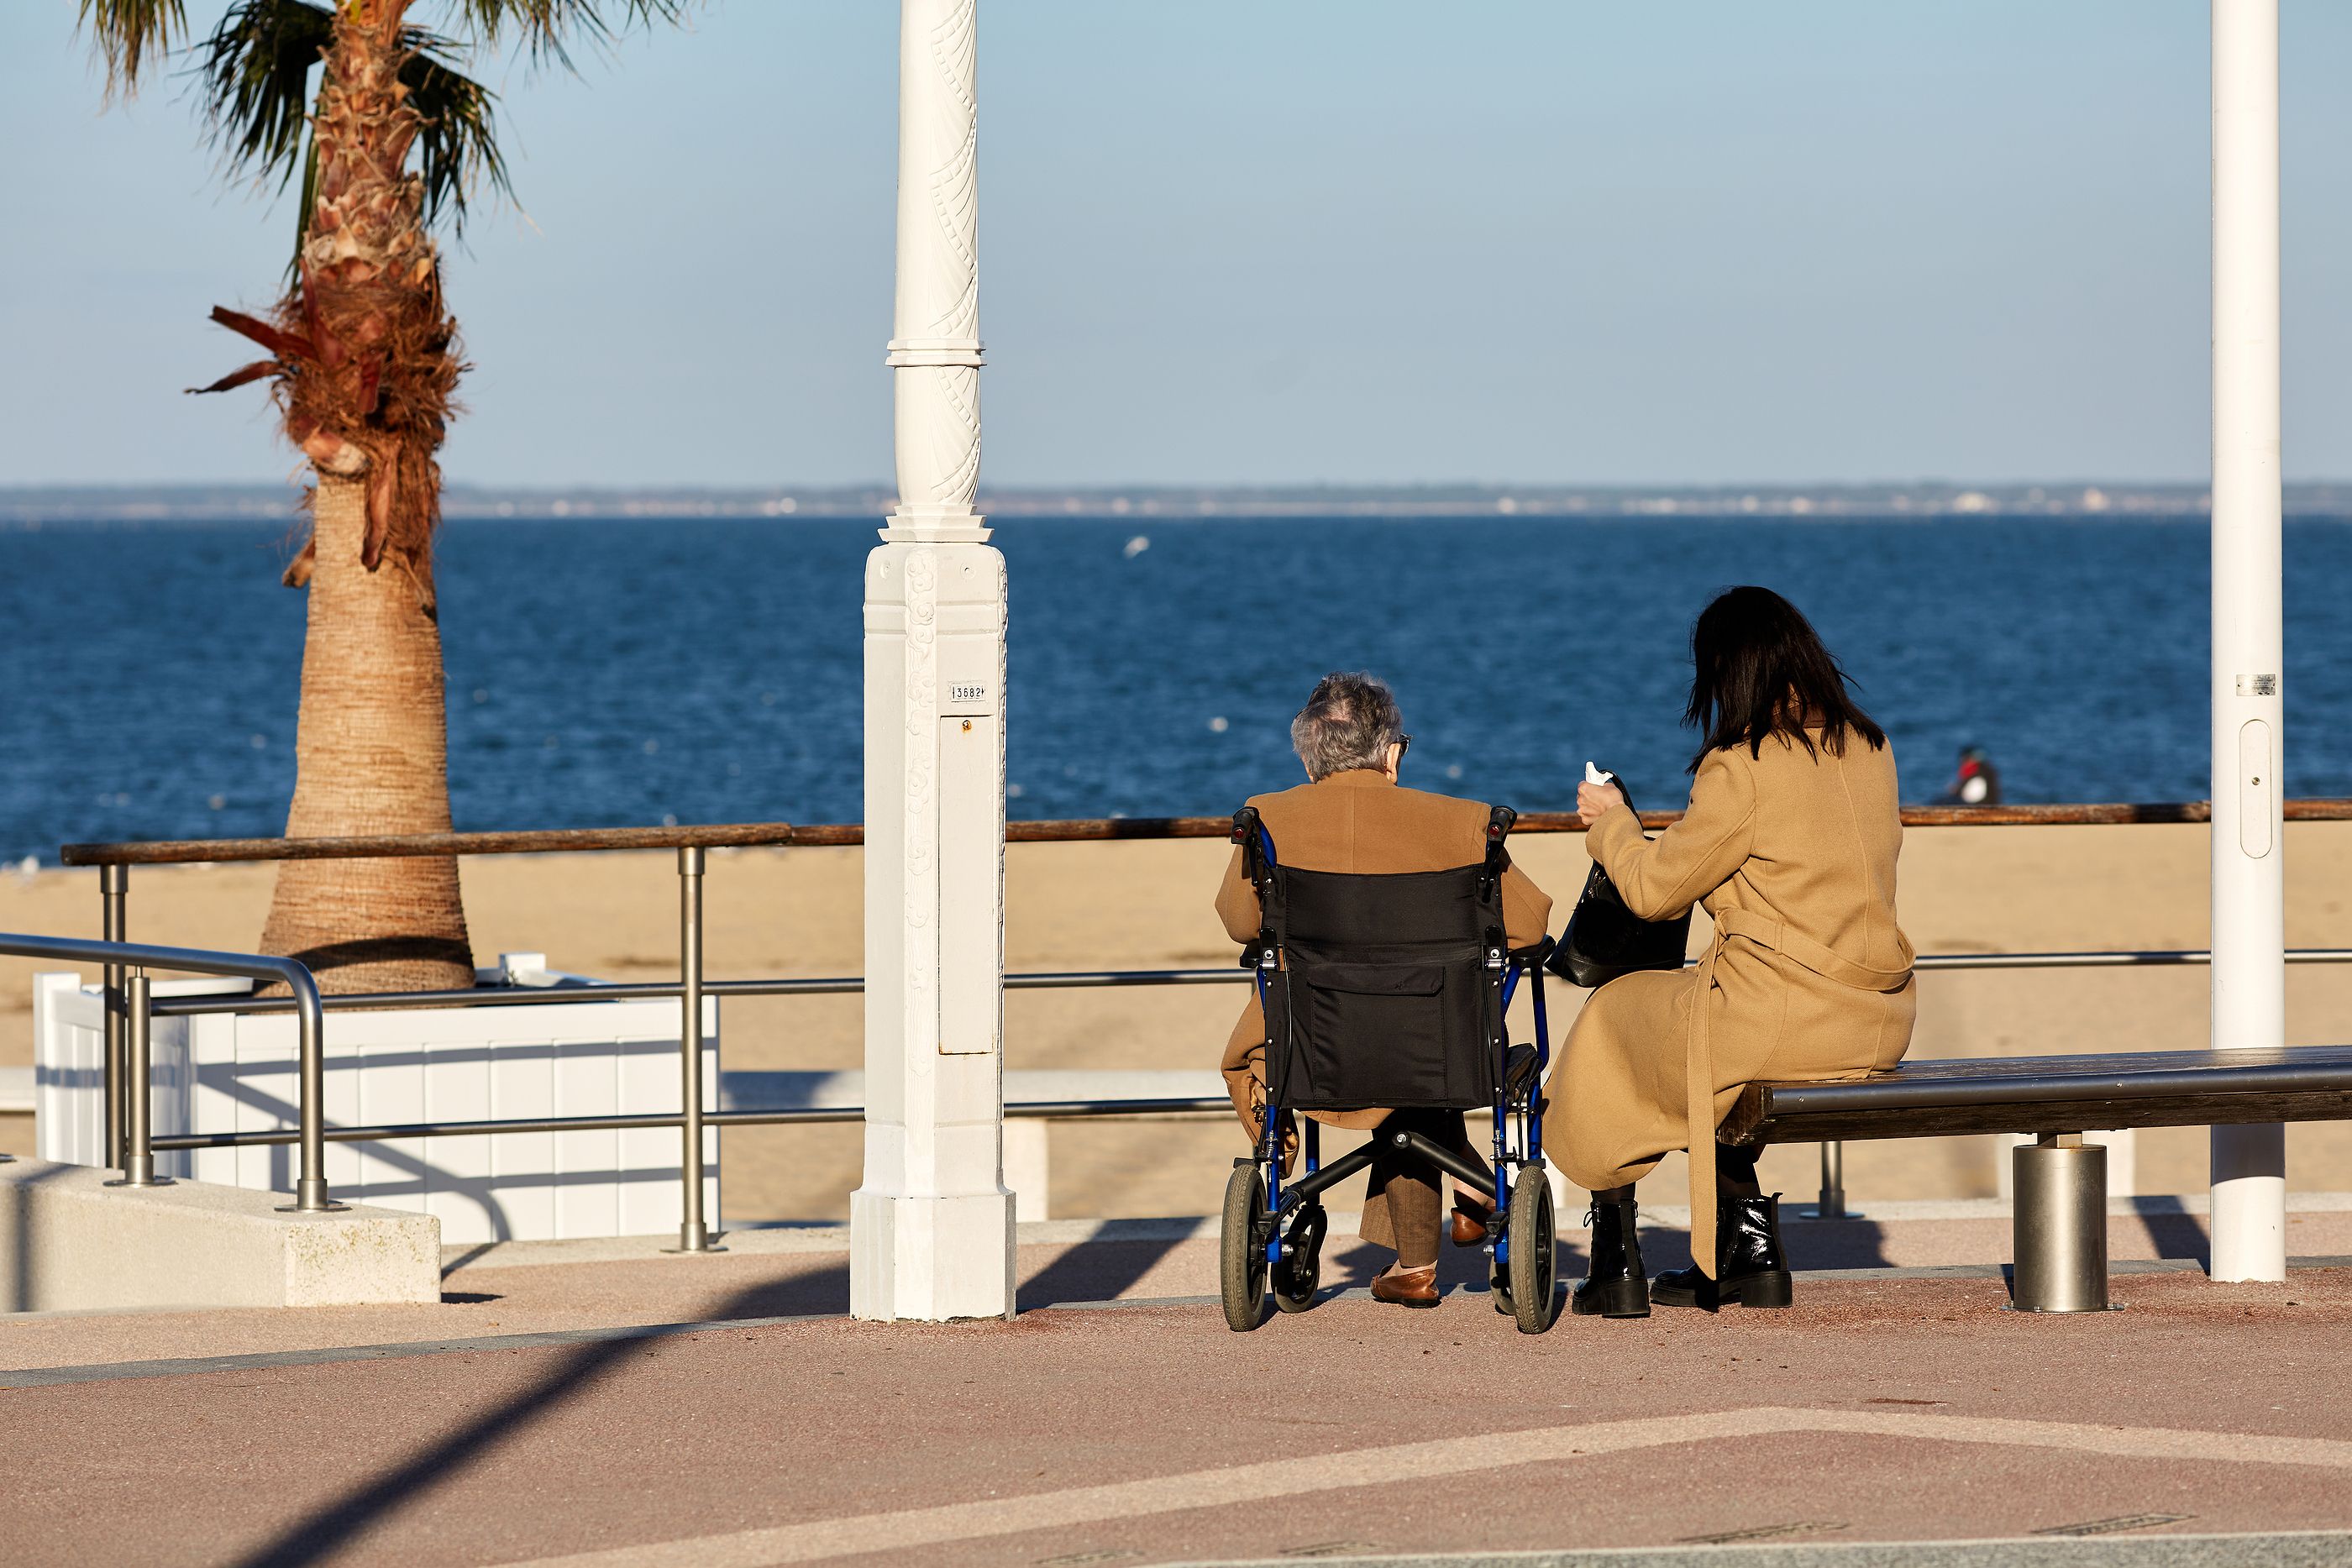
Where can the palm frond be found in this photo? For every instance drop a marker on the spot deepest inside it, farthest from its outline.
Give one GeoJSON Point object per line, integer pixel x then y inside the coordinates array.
{"type": "Point", "coordinates": [545, 29]}
{"type": "Point", "coordinates": [255, 76]}
{"type": "Point", "coordinates": [128, 32]}
{"type": "Point", "coordinates": [457, 148]}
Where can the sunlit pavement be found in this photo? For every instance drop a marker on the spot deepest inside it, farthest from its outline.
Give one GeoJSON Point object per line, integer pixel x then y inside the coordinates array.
{"type": "Point", "coordinates": [616, 1410]}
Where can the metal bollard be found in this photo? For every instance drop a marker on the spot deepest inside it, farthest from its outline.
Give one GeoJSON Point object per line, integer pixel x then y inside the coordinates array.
{"type": "Point", "coordinates": [693, 1235]}
{"type": "Point", "coordinates": [138, 1150]}
{"type": "Point", "coordinates": [113, 884]}
{"type": "Point", "coordinates": [2060, 1221]}
{"type": "Point", "coordinates": [1830, 1204]}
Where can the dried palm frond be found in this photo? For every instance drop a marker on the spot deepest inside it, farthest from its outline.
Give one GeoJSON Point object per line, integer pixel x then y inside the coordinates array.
{"type": "Point", "coordinates": [128, 32]}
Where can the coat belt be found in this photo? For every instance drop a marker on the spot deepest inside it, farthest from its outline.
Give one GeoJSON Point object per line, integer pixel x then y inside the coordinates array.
{"type": "Point", "coordinates": [1698, 1063]}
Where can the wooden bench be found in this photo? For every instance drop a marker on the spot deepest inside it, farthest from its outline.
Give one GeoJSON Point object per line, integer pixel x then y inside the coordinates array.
{"type": "Point", "coordinates": [2061, 1187]}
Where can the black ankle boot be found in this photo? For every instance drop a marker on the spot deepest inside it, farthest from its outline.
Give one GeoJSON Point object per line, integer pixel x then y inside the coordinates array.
{"type": "Point", "coordinates": [1617, 1287]}
{"type": "Point", "coordinates": [1749, 1267]}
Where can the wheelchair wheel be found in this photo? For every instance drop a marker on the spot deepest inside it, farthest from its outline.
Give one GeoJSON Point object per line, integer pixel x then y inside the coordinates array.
{"type": "Point", "coordinates": [1241, 1252]}
{"type": "Point", "coordinates": [1499, 1287]}
{"type": "Point", "coordinates": [1298, 1275]}
{"type": "Point", "coordinates": [1533, 1246]}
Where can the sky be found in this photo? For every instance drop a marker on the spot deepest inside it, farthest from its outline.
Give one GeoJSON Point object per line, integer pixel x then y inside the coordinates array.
{"type": "Point", "coordinates": [1230, 241]}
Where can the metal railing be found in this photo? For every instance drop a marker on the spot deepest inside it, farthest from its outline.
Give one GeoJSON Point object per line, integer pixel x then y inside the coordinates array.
{"type": "Point", "coordinates": [128, 1010]}
{"type": "Point", "coordinates": [140, 1147]}
{"type": "Point", "coordinates": [135, 1156]}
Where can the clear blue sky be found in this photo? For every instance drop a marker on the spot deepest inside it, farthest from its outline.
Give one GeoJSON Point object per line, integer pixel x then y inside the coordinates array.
{"type": "Point", "coordinates": [1225, 240]}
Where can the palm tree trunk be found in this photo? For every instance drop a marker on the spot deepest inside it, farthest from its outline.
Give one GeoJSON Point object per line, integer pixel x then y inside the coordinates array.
{"type": "Point", "coordinates": [367, 398]}
{"type": "Point", "coordinates": [372, 757]}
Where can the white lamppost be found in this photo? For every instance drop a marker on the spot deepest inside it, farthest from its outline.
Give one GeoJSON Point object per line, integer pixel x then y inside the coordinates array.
{"type": "Point", "coordinates": [931, 1225]}
{"type": "Point", "coordinates": [2249, 1164]}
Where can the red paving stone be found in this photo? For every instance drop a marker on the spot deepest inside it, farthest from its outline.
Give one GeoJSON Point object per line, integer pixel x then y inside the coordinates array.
{"type": "Point", "coordinates": [509, 1454]}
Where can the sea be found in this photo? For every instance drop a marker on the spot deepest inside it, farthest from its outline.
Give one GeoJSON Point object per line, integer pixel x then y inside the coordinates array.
{"type": "Point", "coordinates": [610, 671]}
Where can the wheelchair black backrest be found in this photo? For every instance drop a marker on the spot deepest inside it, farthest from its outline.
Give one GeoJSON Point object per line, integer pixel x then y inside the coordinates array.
{"type": "Point", "coordinates": [1385, 991]}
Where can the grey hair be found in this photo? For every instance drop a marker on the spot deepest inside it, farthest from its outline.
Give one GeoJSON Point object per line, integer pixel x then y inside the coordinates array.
{"type": "Point", "coordinates": [1349, 722]}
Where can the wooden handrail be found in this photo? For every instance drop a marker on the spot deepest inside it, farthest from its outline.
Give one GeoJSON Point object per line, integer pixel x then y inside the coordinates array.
{"type": "Point", "coordinates": [562, 840]}
{"type": "Point", "coordinates": [398, 846]}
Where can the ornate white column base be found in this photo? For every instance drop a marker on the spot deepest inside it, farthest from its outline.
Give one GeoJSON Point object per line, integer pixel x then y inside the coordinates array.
{"type": "Point", "coordinates": [932, 1228]}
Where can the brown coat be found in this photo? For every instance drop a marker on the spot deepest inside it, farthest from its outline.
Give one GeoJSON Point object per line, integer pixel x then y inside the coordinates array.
{"type": "Point", "coordinates": [1807, 977]}
{"type": "Point", "coordinates": [1359, 823]}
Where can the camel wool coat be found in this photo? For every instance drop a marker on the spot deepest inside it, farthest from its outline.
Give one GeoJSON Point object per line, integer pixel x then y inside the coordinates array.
{"type": "Point", "coordinates": [1792, 853]}
{"type": "Point", "coordinates": [1362, 822]}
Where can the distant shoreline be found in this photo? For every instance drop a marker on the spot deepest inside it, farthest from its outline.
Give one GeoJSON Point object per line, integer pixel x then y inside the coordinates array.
{"type": "Point", "coordinates": [1883, 502]}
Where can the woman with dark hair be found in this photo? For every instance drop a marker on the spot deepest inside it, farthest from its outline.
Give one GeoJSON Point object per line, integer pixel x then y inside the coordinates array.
{"type": "Point", "coordinates": [1789, 844]}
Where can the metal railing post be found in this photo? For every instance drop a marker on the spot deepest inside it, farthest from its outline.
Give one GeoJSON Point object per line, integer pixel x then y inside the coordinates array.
{"type": "Point", "coordinates": [138, 1095]}
{"type": "Point", "coordinates": [114, 884]}
{"type": "Point", "coordinates": [310, 1185]}
{"type": "Point", "coordinates": [693, 1235]}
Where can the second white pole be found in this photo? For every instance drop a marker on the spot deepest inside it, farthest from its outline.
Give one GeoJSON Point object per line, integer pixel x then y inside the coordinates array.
{"type": "Point", "coordinates": [2249, 892]}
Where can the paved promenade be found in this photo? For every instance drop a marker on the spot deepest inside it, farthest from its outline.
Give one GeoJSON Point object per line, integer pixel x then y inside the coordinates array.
{"type": "Point", "coordinates": [597, 1403]}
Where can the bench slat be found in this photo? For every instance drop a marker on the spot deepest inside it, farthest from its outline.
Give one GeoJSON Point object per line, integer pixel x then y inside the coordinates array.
{"type": "Point", "coordinates": [2052, 1093]}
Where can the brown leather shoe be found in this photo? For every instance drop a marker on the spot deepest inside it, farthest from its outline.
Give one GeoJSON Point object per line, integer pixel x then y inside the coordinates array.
{"type": "Point", "coordinates": [1469, 1230]}
{"type": "Point", "coordinates": [1406, 1286]}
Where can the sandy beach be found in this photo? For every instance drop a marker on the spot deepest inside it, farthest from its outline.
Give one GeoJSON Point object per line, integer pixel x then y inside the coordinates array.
{"type": "Point", "coordinates": [1146, 905]}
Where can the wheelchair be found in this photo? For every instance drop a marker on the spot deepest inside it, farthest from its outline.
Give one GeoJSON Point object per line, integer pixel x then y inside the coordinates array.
{"type": "Point", "coordinates": [1388, 991]}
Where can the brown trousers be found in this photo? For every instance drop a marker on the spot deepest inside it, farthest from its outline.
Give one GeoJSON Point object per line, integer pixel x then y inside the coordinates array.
{"type": "Point", "coordinates": [1413, 1185]}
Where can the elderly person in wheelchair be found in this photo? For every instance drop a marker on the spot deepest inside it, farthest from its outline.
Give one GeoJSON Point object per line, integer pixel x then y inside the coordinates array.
{"type": "Point", "coordinates": [1387, 927]}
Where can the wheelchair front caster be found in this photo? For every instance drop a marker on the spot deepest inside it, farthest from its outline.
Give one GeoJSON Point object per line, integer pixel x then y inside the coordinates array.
{"type": "Point", "coordinates": [1300, 1272]}
{"type": "Point", "coordinates": [1532, 1255]}
{"type": "Point", "coordinates": [1241, 1250]}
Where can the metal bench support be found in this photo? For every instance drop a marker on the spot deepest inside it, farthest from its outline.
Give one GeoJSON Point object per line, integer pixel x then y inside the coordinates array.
{"type": "Point", "coordinates": [2060, 1225]}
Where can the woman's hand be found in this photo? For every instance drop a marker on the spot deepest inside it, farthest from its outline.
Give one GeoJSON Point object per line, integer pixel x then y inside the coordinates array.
{"type": "Point", "coordinates": [1594, 801]}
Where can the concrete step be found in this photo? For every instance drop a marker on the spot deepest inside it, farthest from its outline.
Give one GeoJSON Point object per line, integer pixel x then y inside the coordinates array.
{"type": "Point", "coordinates": [71, 1240]}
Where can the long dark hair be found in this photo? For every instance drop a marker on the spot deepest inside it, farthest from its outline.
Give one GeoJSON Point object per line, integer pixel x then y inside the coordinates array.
{"type": "Point", "coordinates": [1759, 669]}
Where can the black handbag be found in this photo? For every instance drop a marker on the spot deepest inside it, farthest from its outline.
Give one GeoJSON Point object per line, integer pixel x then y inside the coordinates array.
{"type": "Point", "coordinates": [1604, 939]}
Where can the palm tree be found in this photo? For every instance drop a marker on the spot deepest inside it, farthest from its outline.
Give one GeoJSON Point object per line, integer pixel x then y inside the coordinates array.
{"type": "Point", "coordinates": [363, 359]}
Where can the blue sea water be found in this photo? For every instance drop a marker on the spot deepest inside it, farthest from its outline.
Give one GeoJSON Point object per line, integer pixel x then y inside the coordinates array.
{"type": "Point", "coordinates": [612, 671]}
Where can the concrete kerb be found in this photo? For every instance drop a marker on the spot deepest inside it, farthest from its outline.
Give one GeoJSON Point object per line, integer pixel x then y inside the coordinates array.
{"type": "Point", "coordinates": [2302, 1549]}
{"type": "Point", "coordinates": [773, 1240]}
{"type": "Point", "coordinates": [795, 1237]}
{"type": "Point", "coordinates": [69, 1240]}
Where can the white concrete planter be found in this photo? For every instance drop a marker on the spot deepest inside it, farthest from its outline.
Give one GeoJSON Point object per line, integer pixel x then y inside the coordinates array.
{"type": "Point", "coordinates": [235, 1073]}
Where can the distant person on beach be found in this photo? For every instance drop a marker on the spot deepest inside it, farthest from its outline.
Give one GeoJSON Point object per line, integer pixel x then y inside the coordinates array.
{"type": "Point", "coordinates": [1790, 844]}
{"type": "Point", "coordinates": [1351, 816]}
{"type": "Point", "coordinates": [1977, 783]}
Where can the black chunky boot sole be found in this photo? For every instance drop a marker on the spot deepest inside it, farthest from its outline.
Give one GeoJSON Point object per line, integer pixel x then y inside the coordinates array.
{"type": "Point", "coordinates": [1612, 1299]}
{"type": "Point", "coordinates": [1772, 1289]}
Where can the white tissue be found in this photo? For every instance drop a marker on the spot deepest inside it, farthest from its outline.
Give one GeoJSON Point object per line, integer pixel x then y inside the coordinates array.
{"type": "Point", "coordinates": [1594, 775]}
